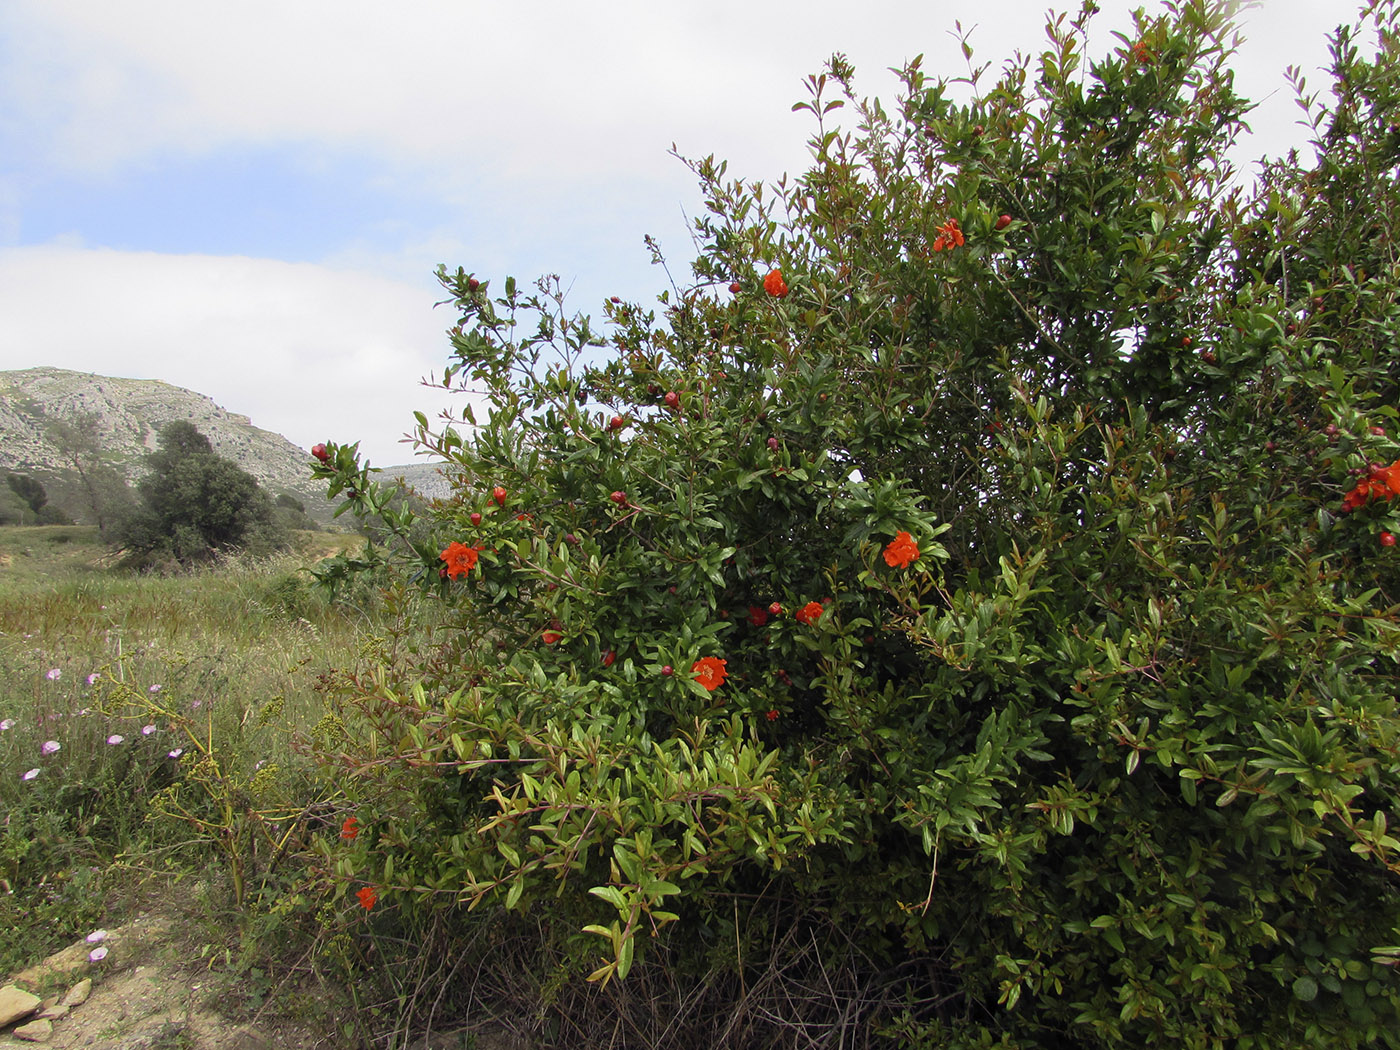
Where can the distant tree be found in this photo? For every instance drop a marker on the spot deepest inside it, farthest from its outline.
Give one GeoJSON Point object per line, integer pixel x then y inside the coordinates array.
{"type": "Point", "coordinates": [291, 513]}
{"type": "Point", "coordinates": [29, 490]}
{"type": "Point", "coordinates": [178, 440]}
{"type": "Point", "coordinates": [27, 498]}
{"type": "Point", "coordinates": [51, 514]}
{"type": "Point", "coordinates": [13, 510]}
{"type": "Point", "coordinates": [195, 503]}
{"type": "Point", "coordinates": [104, 491]}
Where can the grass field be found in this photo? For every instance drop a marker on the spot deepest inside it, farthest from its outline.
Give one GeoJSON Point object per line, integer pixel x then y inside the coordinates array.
{"type": "Point", "coordinates": [147, 724]}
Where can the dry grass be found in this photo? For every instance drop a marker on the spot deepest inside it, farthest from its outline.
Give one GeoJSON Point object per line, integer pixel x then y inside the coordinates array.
{"type": "Point", "coordinates": [90, 655]}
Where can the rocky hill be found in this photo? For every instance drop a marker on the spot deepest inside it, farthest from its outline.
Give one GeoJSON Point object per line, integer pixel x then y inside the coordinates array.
{"type": "Point", "coordinates": [427, 479]}
{"type": "Point", "coordinates": [129, 414]}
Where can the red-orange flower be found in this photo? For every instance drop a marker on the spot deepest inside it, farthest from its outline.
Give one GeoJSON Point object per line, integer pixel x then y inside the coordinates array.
{"type": "Point", "coordinates": [550, 637]}
{"type": "Point", "coordinates": [350, 828]}
{"type": "Point", "coordinates": [757, 616]}
{"type": "Point", "coordinates": [460, 558]}
{"type": "Point", "coordinates": [609, 657]}
{"type": "Point", "coordinates": [1382, 483]}
{"type": "Point", "coordinates": [774, 284]}
{"type": "Point", "coordinates": [901, 551]}
{"type": "Point", "coordinates": [773, 715]}
{"type": "Point", "coordinates": [1142, 52]}
{"type": "Point", "coordinates": [949, 236]}
{"type": "Point", "coordinates": [367, 897]}
{"type": "Point", "coordinates": [709, 672]}
{"type": "Point", "coordinates": [809, 613]}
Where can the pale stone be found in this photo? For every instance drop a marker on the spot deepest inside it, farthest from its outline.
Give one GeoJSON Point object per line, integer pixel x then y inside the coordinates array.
{"type": "Point", "coordinates": [77, 995]}
{"type": "Point", "coordinates": [59, 964]}
{"type": "Point", "coordinates": [16, 1003]}
{"type": "Point", "coordinates": [54, 1012]}
{"type": "Point", "coordinates": [35, 1031]}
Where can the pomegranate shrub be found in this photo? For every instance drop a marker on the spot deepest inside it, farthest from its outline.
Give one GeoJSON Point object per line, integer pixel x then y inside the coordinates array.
{"type": "Point", "coordinates": [985, 557]}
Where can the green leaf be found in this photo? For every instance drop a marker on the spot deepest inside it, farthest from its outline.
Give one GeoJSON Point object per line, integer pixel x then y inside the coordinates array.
{"type": "Point", "coordinates": [612, 895]}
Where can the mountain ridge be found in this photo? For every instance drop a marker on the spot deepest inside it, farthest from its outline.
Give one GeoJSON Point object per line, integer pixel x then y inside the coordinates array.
{"type": "Point", "coordinates": [130, 413]}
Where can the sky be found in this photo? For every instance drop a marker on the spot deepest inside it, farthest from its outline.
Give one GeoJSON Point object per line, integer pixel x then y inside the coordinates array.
{"type": "Point", "coordinates": [250, 200]}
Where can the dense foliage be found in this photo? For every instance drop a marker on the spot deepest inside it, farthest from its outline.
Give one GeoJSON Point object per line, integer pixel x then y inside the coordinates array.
{"type": "Point", "coordinates": [195, 503]}
{"type": "Point", "coordinates": [958, 565]}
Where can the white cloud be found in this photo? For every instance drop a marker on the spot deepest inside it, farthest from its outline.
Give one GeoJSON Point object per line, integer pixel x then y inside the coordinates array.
{"type": "Point", "coordinates": [310, 352]}
{"type": "Point", "coordinates": [511, 89]}
{"type": "Point", "coordinates": [543, 127]}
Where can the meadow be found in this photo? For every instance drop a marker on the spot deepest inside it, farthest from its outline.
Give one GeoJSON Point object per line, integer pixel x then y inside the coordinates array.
{"type": "Point", "coordinates": [149, 732]}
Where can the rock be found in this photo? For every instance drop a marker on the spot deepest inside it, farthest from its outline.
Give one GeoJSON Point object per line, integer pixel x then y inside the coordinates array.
{"type": "Point", "coordinates": [35, 1031]}
{"type": "Point", "coordinates": [77, 995]}
{"type": "Point", "coordinates": [135, 939]}
{"type": "Point", "coordinates": [15, 1004]}
{"type": "Point", "coordinates": [59, 964]}
{"type": "Point", "coordinates": [54, 1012]}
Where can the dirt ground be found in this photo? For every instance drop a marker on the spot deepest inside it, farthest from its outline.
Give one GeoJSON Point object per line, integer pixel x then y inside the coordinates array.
{"type": "Point", "coordinates": [152, 993]}
{"type": "Point", "coordinates": [145, 996]}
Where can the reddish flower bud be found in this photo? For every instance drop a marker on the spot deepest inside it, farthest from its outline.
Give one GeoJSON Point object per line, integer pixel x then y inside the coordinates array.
{"type": "Point", "coordinates": [499, 495]}
{"type": "Point", "coordinates": [319, 451]}
{"type": "Point", "coordinates": [1003, 221]}
{"type": "Point", "coordinates": [476, 517]}
{"type": "Point", "coordinates": [619, 497]}
{"type": "Point", "coordinates": [1387, 539]}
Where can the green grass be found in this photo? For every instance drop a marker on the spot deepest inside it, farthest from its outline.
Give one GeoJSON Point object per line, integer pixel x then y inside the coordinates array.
{"type": "Point", "coordinates": [205, 677]}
